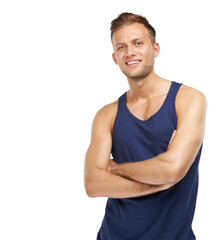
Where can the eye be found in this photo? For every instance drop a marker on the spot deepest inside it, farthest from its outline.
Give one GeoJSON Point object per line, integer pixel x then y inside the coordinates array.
{"type": "Point", "coordinates": [121, 48]}
{"type": "Point", "coordinates": [138, 43]}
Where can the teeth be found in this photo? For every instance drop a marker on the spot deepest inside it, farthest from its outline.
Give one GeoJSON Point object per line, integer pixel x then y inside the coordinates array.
{"type": "Point", "coordinates": [129, 63]}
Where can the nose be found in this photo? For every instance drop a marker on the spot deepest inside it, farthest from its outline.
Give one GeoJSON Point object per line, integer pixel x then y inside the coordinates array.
{"type": "Point", "coordinates": [130, 51]}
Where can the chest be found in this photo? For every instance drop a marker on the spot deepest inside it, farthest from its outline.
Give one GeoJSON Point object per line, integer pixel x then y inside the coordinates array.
{"type": "Point", "coordinates": [145, 109]}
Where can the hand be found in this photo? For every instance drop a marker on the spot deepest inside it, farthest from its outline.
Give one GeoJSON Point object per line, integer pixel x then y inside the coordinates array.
{"type": "Point", "coordinates": [112, 166]}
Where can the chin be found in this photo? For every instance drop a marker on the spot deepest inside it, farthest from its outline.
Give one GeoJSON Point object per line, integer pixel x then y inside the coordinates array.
{"type": "Point", "coordinates": [139, 74]}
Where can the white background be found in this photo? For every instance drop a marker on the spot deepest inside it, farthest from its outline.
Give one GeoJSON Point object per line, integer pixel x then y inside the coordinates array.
{"type": "Point", "coordinates": [56, 72]}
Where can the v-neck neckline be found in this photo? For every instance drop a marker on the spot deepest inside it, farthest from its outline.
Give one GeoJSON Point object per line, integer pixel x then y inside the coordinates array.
{"type": "Point", "coordinates": [156, 113]}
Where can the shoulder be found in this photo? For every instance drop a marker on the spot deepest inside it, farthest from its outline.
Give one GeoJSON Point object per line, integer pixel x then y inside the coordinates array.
{"type": "Point", "coordinates": [188, 97]}
{"type": "Point", "coordinates": [106, 115]}
{"type": "Point", "coordinates": [187, 91]}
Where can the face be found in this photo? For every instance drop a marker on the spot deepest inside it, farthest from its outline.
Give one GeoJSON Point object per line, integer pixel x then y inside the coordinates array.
{"type": "Point", "coordinates": [133, 50]}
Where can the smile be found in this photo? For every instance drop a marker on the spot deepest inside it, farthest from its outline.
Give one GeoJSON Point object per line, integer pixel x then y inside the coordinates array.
{"type": "Point", "coordinates": [133, 63]}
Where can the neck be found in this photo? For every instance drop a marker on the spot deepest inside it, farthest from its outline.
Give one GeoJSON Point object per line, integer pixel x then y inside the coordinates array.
{"type": "Point", "coordinates": [144, 88]}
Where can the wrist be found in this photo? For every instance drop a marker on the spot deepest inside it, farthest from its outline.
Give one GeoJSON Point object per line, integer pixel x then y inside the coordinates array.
{"type": "Point", "coordinates": [114, 168]}
{"type": "Point", "coordinates": [119, 170]}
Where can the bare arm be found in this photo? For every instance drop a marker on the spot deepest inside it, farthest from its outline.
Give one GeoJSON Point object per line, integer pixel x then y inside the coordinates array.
{"type": "Point", "coordinates": [172, 165]}
{"type": "Point", "coordinates": [98, 181]}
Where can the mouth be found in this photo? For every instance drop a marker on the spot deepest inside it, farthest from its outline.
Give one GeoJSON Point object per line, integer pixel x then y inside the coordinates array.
{"type": "Point", "coordinates": [133, 63]}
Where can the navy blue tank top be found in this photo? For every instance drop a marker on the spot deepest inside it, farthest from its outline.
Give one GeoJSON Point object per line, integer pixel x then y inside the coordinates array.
{"type": "Point", "coordinates": [168, 214]}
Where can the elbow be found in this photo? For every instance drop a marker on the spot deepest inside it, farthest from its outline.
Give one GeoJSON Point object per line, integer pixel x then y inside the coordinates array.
{"type": "Point", "coordinates": [174, 178]}
{"type": "Point", "coordinates": [175, 175]}
{"type": "Point", "coordinates": [89, 189]}
{"type": "Point", "coordinates": [176, 170]}
{"type": "Point", "coordinates": [92, 189]}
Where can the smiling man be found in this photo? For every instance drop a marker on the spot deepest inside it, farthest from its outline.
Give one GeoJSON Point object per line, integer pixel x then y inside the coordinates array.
{"type": "Point", "coordinates": [155, 133]}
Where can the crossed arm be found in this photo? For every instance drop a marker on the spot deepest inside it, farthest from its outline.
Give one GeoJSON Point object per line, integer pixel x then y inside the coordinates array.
{"type": "Point", "coordinates": [104, 178]}
{"type": "Point", "coordinates": [97, 180]}
{"type": "Point", "coordinates": [172, 165]}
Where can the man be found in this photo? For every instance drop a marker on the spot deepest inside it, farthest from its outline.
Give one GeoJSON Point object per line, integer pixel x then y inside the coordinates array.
{"type": "Point", "coordinates": [152, 182]}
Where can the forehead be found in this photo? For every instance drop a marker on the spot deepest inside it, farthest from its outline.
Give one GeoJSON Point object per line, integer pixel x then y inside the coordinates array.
{"type": "Point", "coordinates": [130, 32]}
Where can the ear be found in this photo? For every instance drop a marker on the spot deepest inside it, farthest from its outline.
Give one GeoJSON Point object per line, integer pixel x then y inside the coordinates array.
{"type": "Point", "coordinates": [114, 58]}
{"type": "Point", "coordinates": [156, 47]}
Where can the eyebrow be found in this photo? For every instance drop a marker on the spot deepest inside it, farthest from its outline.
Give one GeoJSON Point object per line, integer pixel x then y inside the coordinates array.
{"type": "Point", "coordinates": [134, 40]}
{"type": "Point", "coordinates": [118, 44]}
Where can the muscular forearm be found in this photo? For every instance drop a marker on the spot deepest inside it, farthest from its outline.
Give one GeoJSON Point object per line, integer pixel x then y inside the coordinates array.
{"type": "Point", "coordinates": [155, 171]}
{"type": "Point", "coordinates": [106, 184]}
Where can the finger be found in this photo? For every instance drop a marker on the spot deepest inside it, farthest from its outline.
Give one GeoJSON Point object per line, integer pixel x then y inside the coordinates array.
{"type": "Point", "coordinates": [174, 132]}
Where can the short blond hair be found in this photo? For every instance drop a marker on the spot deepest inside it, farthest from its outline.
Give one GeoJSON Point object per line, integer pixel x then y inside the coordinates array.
{"type": "Point", "coordinates": [129, 18]}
